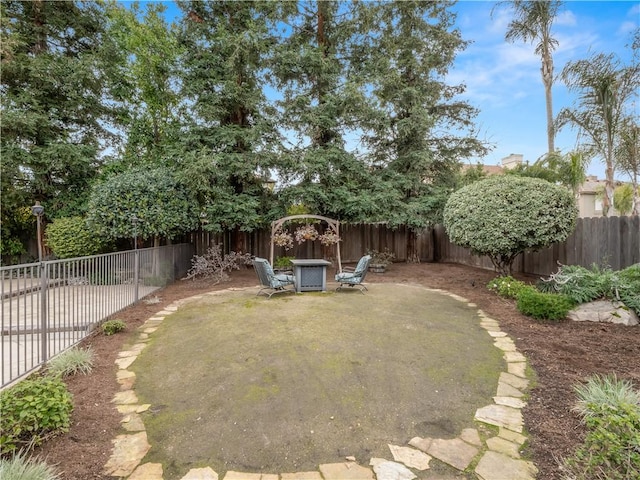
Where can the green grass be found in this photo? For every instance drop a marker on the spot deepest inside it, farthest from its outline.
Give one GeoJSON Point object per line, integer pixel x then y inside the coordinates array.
{"type": "Point", "coordinates": [359, 371]}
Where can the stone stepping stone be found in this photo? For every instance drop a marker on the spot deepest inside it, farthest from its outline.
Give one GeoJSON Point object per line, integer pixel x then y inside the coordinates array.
{"type": "Point", "coordinates": [497, 466]}
{"type": "Point", "coordinates": [231, 475]}
{"type": "Point", "coordinates": [454, 452]}
{"type": "Point", "coordinates": [345, 471]}
{"type": "Point", "coordinates": [124, 363]}
{"type": "Point", "coordinates": [411, 457]}
{"type": "Point", "coordinates": [148, 471]}
{"type": "Point", "coordinates": [133, 423]}
{"type": "Point", "coordinates": [200, 474]}
{"type": "Point", "coordinates": [501, 445]}
{"type": "Point", "coordinates": [471, 436]}
{"type": "Point", "coordinates": [301, 476]}
{"type": "Point", "coordinates": [128, 452]}
{"type": "Point", "coordinates": [501, 416]}
{"type": "Point", "coordinates": [126, 397]}
{"type": "Point", "coordinates": [510, 402]}
{"type": "Point", "coordinates": [387, 470]}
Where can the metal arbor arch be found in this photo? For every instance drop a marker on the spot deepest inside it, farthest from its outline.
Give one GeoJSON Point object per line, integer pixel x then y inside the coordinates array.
{"type": "Point", "coordinates": [333, 224]}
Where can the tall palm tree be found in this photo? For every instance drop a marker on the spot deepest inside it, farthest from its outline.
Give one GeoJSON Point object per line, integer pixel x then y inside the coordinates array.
{"type": "Point", "coordinates": [531, 23]}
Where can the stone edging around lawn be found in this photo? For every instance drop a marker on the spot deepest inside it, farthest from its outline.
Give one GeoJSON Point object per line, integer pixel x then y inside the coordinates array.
{"type": "Point", "coordinates": [498, 458]}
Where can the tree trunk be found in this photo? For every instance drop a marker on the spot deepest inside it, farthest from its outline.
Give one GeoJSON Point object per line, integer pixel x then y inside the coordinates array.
{"type": "Point", "coordinates": [547, 79]}
{"type": "Point", "coordinates": [412, 247]}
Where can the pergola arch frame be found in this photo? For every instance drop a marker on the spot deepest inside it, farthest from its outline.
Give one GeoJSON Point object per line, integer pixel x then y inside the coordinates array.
{"type": "Point", "coordinates": [333, 224]}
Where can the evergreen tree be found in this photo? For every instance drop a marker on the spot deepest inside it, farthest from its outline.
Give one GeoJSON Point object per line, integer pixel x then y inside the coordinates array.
{"type": "Point", "coordinates": [53, 108]}
{"type": "Point", "coordinates": [412, 123]}
{"type": "Point", "coordinates": [318, 112]}
{"type": "Point", "coordinates": [146, 82]}
{"type": "Point", "coordinates": [228, 139]}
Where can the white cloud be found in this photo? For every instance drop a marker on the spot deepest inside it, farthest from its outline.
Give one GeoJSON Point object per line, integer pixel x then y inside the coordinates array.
{"type": "Point", "coordinates": [566, 18]}
{"type": "Point", "coordinates": [627, 27]}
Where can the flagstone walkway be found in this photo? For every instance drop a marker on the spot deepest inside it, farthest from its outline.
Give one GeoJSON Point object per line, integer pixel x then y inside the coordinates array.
{"type": "Point", "coordinates": [496, 458]}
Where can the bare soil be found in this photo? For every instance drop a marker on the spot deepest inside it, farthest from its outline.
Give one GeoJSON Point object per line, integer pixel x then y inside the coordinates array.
{"type": "Point", "coordinates": [561, 354]}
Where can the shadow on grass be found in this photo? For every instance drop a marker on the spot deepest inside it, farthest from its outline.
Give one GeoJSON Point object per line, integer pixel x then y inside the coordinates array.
{"type": "Point", "coordinates": [239, 382]}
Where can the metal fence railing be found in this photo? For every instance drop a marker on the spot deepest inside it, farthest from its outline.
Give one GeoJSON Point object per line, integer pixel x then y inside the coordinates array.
{"type": "Point", "coordinates": [50, 306]}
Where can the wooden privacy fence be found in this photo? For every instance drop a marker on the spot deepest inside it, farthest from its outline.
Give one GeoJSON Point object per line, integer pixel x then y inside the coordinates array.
{"type": "Point", "coordinates": [605, 241]}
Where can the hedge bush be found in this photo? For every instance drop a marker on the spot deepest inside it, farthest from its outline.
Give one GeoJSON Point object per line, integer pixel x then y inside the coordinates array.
{"type": "Point", "coordinates": [32, 410]}
{"type": "Point", "coordinates": [505, 215]}
{"type": "Point", "coordinates": [70, 237]}
{"type": "Point", "coordinates": [544, 306]}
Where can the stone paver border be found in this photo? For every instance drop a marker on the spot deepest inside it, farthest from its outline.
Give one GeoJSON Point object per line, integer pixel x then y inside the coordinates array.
{"type": "Point", "coordinates": [498, 458]}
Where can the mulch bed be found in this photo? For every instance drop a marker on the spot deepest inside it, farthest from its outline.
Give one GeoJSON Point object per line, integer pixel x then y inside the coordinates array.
{"type": "Point", "coordinates": [561, 354]}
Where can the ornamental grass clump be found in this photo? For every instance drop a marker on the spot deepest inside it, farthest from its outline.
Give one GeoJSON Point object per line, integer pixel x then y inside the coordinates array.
{"type": "Point", "coordinates": [610, 409]}
{"type": "Point", "coordinates": [72, 361]}
{"type": "Point", "coordinates": [19, 467]}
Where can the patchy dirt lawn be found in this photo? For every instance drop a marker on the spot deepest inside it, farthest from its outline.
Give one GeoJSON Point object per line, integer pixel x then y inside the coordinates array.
{"type": "Point", "coordinates": [561, 355]}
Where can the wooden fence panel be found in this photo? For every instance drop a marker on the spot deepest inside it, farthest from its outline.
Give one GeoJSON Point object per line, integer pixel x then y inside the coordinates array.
{"type": "Point", "coordinates": [612, 241]}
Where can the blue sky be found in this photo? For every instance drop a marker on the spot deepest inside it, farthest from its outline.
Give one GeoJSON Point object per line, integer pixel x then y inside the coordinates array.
{"type": "Point", "coordinates": [503, 80]}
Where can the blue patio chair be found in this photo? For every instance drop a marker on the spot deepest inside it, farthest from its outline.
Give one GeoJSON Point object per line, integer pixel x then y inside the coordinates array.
{"type": "Point", "coordinates": [354, 276]}
{"type": "Point", "coordinates": [271, 282]}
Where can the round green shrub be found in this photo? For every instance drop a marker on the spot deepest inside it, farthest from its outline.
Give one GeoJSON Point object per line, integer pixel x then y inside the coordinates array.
{"type": "Point", "coordinates": [70, 237]}
{"type": "Point", "coordinates": [544, 306]}
{"type": "Point", "coordinates": [32, 410]}
{"type": "Point", "coordinates": [506, 215]}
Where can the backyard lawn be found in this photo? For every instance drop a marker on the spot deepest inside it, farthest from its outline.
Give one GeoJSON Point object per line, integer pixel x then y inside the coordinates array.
{"type": "Point", "coordinates": [560, 354]}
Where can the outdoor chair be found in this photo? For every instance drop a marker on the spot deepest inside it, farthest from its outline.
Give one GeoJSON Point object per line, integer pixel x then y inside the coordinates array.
{"type": "Point", "coordinates": [271, 282]}
{"type": "Point", "coordinates": [354, 276]}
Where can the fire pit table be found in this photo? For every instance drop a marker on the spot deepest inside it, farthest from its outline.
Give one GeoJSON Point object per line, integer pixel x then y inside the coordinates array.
{"type": "Point", "coordinates": [311, 275]}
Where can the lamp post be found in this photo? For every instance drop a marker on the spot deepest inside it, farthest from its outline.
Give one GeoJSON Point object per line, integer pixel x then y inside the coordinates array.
{"type": "Point", "coordinates": [38, 210]}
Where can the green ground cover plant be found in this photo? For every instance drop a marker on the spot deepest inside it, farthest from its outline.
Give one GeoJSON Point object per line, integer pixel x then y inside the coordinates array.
{"type": "Point", "coordinates": [548, 307]}
{"type": "Point", "coordinates": [585, 285]}
{"type": "Point", "coordinates": [21, 467]}
{"type": "Point", "coordinates": [32, 410]}
{"type": "Point", "coordinates": [610, 408]}
{"type": "Point", "coordinates": [72, 361]}
{"type": "Point", "coordinates": [111, 327]}
{"type": "Point", "coordinates": [507, 286]}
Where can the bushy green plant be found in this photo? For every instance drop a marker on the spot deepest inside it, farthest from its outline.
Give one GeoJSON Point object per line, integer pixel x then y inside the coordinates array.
{"type": "Point", "coordinates": [283, 262]}
{"type": "Point", "coordinates": [503, 216]}
{"type": "Point", "coordinates": [610, 409]}
{"type": "Point", "coordinates": [111, 327]}
{"type": "Point", "coordinates": [70, 237]}
{"type": "Point", "coordinates": [32, 410]}
{"type": "Point", "coordinates": [544, 306]}
{"type": "Point", "coordinates": [19, 467]}
{"type": "Point", "coordinates": [585, 285]}
{"type": "Point", "coordinates": [72, 361]}
{"type": "Point", "coordinates": [506, 286]}
{"type": "Point", "coordinates": [629, 287]}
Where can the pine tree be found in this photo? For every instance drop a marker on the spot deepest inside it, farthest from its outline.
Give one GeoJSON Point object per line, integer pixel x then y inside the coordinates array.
{"type": "Point", "coordinates": [53, 108]}
{"type": "Point", "coordinates": [414, 115]}
{"type": "Point", "coordinates": [228, 137]}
